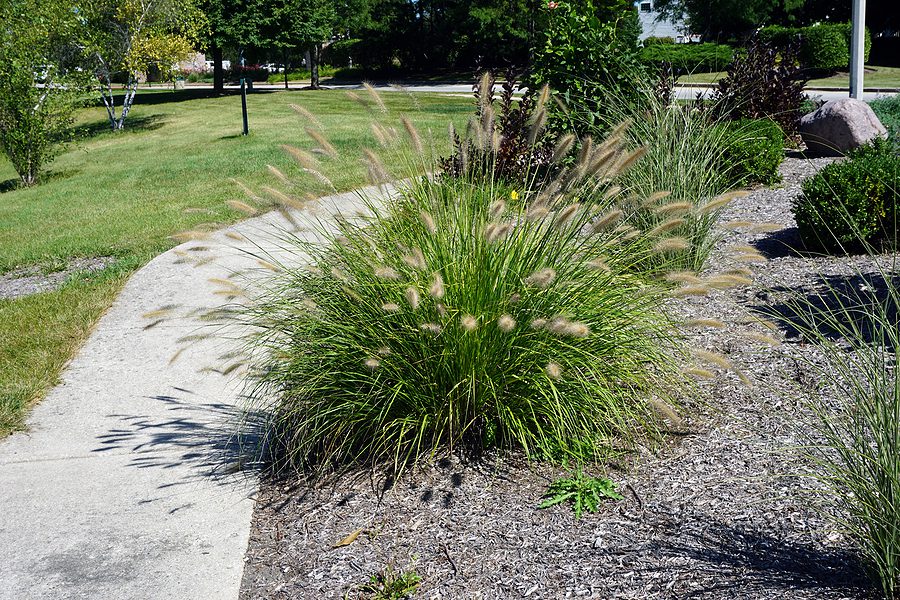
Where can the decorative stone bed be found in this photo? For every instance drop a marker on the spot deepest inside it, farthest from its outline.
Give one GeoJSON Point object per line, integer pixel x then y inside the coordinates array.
{"type": "Point", "coordinates": [713, 514]}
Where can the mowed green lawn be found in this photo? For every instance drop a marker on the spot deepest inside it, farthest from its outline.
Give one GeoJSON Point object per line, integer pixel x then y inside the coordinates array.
{"type": "Point", "coordinates": [124, 194]}
{"type": "Point", "coordinates": [875, 77]}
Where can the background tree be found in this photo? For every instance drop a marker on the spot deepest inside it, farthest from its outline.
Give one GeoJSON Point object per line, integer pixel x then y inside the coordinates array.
{"type": "Point", "coordinates": [587, 53]}
{"type": "Point", "coordinates": [38, 84]}
{"type": "Point", "coordinates": [232, 26]}
{"type": "Point", "coordinates": [126, 38]}
{"type": "Point", "coordinates": [726, 19]}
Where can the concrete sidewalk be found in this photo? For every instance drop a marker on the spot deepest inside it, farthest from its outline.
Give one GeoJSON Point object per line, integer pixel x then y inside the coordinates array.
{"type": "Point", "coordinates": [126, 483]}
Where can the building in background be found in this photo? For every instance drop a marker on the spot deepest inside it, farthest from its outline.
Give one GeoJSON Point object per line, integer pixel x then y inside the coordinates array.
{"type": "Point", "coordinates": [653, 26]}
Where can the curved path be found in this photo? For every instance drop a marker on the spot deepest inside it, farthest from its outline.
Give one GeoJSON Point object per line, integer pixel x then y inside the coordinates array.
{"type": "Point", "coordinates": [128, 482]}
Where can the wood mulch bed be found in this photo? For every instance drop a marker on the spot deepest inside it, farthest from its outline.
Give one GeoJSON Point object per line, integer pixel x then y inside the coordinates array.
{"type": "Point", "coordinates": [714, 514]}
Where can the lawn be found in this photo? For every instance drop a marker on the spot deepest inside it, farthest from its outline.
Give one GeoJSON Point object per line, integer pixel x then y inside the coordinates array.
{"type": "Point", "coordinates": [123, 195]}
{"type": "Point", "coordinates": [875, 77]}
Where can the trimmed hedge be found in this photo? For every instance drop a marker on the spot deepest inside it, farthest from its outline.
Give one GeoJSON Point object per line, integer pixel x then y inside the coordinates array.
{"type": "Point", "coordinates": [852, 203]}
{"type": "Point", "coordinates": [654, 40]}
{"type": "Point", "coordinates": [754, 152]}
{"type": "Point", "coordinates": [688, 58]}
{"type": "Point", "coordinates": [823, 47]}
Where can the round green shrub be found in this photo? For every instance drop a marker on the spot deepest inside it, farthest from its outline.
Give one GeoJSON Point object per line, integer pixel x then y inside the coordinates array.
{"type": "Point", "coordinates": [853, 203]}
{"type": "Point", "coordinates": [826, 46]}
{"type": "Point", "coordinates": [754, 151]}
{"type": "Point", "coordinates": [462, 317]}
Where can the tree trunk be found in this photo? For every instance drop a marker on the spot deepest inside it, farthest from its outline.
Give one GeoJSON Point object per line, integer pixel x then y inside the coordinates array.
{"type": "Point", "coordinates": [128, 101]}
{"type": "Point", "coordinates": [314, 54]}
{"type": "Point", "coordinates": [218, 70]}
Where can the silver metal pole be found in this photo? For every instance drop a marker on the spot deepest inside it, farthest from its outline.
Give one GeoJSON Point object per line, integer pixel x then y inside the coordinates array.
{"type": "Point", "coordinates": [857, 48]}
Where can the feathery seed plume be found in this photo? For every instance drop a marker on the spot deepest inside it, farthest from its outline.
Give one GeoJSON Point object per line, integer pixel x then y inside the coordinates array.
{"type": "Point", "coordinates": [234, 236]}
{"type": "Point", "coordinates": [610, 218]}
{"type": "Point", "coordinates": [553, 370]}
{"type": "Point", "coordinates": [691, 290]}
{"type": "Point", "coordinates": [537, 212]}
{"type": "Point", "coordinates": [437, 287]}
{"type": "Point", "coordinates": [682, 277]}
{"type": "Point", "coordinates": [713, 358]}
{"type": "Point", "coordinates": [727, 281]}
{"type": "Point", "coordinates": [414, 136]}
{"type": "Point", "coordinates": [303, 158]}
{"type": "Point", "coordinates": [672, 244]}
{"type": "Point", "coordinates": [666, 226]}
{"type": "Point", "coordinates": [415, 259]}
{"type": "Point", "coordinates": [506, 323]}
{"type": "Point", "coordinates": [428, 221]}
{"type": "Point", "coordinates": [537, 126]}
{"type": "Point", "coordinates": [702, 373]}
{"type": "Point", "coordinates": [587, 149]}
{"type": "Point", "coordinates": [433, 328]}
{"type": "Point", "coordinates": [412, 296]}
{"type": "Point", "coordinates": [372, 363]}
{"type": "Point", "coordinates": [323, 142]}
{"type": "Point", "coordinates": [578, 330]}
{"type": "Point", "coordinates": [720, 202]}
{"type": "Point", "coordinates": [378, 173]}
{"type": "Point", "coordinates": [538, 323]}
{"type": "Point", "coordinates": [376, 97]}
{"type": "Point", "coordinates": [566, 214]}
{"type": "Point", "coordinates": [308, 115]}
{"type": "Point", "coordinates": [599, 264]}
{"type": "Point", "coordinates": [242, 207]}
{"type": "Point", "coordinates": [468, 322]}
{"type": "Point", "coordinates": [666, 412]}
{"type": "Point", "coordinates": [541, 278]}
{"type": "Point", "coordinates": [766, 227]}
{"type": "Point", "coordinates": [766, 339]}
{"type": "Point", "coordinates": [387, 273]}
{"type": "Point", "coordinates": [383, 351]}
{"type": "Point", "coordinates": [733, 225]}
{"type": "Point", "coordinates": [673, 208]}
{"type": "Point", "coordinates": [563, 146]}
{"type": "Point", "coordinates": [390, 307]}
{"type": "Point", "coordinates": [497, 208]}
{"type": "Point", "coordinates": [268, 265]}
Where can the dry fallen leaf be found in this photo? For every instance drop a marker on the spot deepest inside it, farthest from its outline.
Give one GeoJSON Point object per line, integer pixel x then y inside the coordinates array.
{"type": "Point", "coordinates": [349, 539]}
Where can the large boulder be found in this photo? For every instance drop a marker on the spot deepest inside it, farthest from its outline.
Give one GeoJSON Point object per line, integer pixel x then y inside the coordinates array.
{"type": "Point", "coordinates": [839, 126]}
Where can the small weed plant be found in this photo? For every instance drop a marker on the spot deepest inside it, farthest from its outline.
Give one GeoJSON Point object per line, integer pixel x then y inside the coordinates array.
{"type": "Point", "coordinates": [584, 493]}
{"type": "Point", "coordinates": [390, 584]}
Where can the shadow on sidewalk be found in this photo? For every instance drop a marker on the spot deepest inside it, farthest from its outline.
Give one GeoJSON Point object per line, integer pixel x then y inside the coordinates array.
{"type": "Point", "coordinates": [215, 440]}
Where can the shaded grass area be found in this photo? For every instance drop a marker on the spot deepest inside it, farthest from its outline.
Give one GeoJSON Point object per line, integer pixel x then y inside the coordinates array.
{"type": "Point", "coordinates": [125, 194]}
{"type": "Point", "coordinates": [875, 77]}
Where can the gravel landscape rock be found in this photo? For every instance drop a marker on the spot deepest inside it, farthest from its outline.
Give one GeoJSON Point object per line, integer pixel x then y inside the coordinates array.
{"type": "Point", "coordinates": [713, 514]}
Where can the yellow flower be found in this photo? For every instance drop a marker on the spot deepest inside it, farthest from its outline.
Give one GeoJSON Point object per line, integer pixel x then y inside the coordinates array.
{"type": "Point", "coordinates": [514, 195]}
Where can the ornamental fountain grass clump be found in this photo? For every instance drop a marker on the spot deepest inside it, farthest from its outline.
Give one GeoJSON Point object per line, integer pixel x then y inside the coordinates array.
{"type": "Point", "coordinates": [459, 314]}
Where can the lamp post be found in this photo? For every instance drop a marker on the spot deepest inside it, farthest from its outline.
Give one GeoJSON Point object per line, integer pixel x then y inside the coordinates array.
{"type": "Point", "coordinates": [857, 49]}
